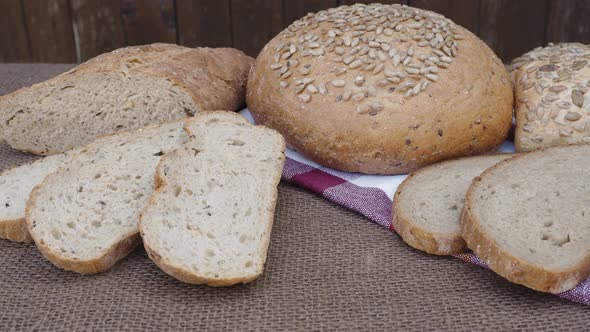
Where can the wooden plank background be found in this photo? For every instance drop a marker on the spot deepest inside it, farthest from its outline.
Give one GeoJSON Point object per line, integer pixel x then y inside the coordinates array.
{"type": "Point", "coordinates": [76, 30]}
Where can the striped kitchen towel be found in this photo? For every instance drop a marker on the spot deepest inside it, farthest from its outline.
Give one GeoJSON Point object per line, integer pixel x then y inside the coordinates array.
{"type": "Point", "coordinates": [372, 196]}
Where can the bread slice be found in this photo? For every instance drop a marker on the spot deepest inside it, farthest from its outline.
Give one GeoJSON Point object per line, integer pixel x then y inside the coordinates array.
{"type": "Point", "coordinates": [427, 205]}
{"type": "Point", "coordinates": [123, 90]}
{"type": "Point", "coordinates": [15, 186]}
{"type": "Point", "coordinates": [83, 217]}
{"type": "Point", "coordinates": [528, 218]}
{"type": "Point", "coordinates": [209, 221]}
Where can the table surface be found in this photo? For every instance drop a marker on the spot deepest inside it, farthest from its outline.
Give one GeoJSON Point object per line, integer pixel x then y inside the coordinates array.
{"type": "Point", "coordinates": [327, 269]}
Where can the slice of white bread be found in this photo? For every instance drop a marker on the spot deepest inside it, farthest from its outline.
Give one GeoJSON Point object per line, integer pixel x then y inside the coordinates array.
{"type": "Point", "coordinates": [427, 205]}
{"type": "Point", "coordinates": [123, 90]}
{"type": "Point", "coordinates": [528, 218]}
{"type": "Point", "coordinates": [209, 221]}
{"type": "Point", "coordinates": [83, 217]}
{"type": "Point", "coordinates": [15, 186]}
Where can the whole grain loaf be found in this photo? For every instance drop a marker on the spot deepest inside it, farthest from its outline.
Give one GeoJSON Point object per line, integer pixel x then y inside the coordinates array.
{"type": "Point", "coordinates": [125, 89]}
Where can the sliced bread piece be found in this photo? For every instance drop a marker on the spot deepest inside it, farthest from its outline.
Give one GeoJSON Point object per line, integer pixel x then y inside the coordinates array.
{"type": "Point", "coordinates": [83, 217]}
{"type": "Point", "coordinates": [123, 90]}
{"type": "Point", "coordinates": [209, 221]}
{"type": "Point", "coordinates": [427, 205]}
{"type": "Point", "coordinates": [528, 218]}
{"type": "Point", "coordinates": [15, 186]}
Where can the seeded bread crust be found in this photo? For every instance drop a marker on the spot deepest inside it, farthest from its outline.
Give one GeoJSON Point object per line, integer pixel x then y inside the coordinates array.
{"type": "Point", "coordinates": [504, 263]}
{"type": "Point", "coordinates": [209, 78]}
{"type": "Point", "coordinates": [179, 272]}
{"type": "Point", "coordinates": [399, 105]}
{"type": "Point", "coordinates": [116, 252]}
{"type": "Point", "coordinates": [552, 98]}
{"type": "Point", "coordinates": [435, 243]}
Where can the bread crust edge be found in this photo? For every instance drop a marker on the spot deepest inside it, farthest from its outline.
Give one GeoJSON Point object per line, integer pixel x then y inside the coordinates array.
{"type": "Point", "coordinates": [113, 254]}
{"type": "Point", "coordinates": [180, 273]}
{"type": "Point", "coordinates": [512, 268]}
{"type": "Point", "coordinates": [15, 230]}
{"type": "Point", "coordinates": [421, 239]}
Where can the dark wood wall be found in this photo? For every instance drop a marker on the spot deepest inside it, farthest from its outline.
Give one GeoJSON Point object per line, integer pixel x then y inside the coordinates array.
{"type": "Point", "coordinates": [75, 30]}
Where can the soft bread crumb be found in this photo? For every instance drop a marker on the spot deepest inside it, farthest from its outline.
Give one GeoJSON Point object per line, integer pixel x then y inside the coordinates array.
{"type": "Point", "coordinates": [211, 219]}
{"type": "Point", "coordinates": [82, 215]}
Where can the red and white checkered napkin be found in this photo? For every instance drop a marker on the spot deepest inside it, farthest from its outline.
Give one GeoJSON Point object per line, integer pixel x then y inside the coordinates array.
{"type": "Point", "coordinates": [372, 196]}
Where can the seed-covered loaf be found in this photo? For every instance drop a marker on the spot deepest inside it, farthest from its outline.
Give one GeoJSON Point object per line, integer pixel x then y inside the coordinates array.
{"type": "Point", "coordinates": [528, 218]}
{"type": "Point", "coordinates": [122, 90]}
{"type": "Point", "coordinates": [381, 89]}
{"type": "Point", "coordinates": [551, 93]}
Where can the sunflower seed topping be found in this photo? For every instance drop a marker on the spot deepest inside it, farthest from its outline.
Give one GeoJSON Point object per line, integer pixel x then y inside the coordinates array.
{"type": "Point", "coordinates": [338, 83]}
{"type": "Point", "coordinates": [579, 64]}
{"type": "Point", "coordinates": [346, 95]}
{"type": "Point", "coordinates": [558, 105]}
{"type": "Point", "coordinates": [355, 64]}
{"type": "Point", "coordinates": [348, 60]}
{"type": "Point", "coordinates": [305, 97]}
{"type": "Point", "coordinates": [547, 68]}
{"type": "Point", "coordinates": [578, 98]}
{"type": "Point", "coordinates": [381, 49]}
{"type": "Point", "coordinates": [432, 77]}
{"type": "Point", "coordinates": [572, 116]}
{"type": "Point", "coordinates": [359, 80]}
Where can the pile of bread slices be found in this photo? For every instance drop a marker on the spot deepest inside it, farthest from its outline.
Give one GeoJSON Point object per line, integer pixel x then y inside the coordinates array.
{"type": "Point", "coordinates": [200, 192]}
{"type": "Point", "coordinates": [376, 89]}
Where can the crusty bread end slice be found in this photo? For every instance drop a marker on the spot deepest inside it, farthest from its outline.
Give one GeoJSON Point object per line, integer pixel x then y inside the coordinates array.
{"type": "Point", "coordinates": [15, 186]}
{"type": "Point", "coordinates": [210, 220]}
{"type": "Point", "coordinates": [427, 205]}
{"type": "Point", "coordinates": [528, 218]}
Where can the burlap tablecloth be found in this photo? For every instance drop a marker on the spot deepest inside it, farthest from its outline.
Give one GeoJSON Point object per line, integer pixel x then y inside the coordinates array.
{"type": "Point", "coordinates": [327, 269]}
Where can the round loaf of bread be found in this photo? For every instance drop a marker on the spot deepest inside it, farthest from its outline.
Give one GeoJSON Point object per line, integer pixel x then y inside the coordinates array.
{"type": "Point", "coordinates": [381, 89]}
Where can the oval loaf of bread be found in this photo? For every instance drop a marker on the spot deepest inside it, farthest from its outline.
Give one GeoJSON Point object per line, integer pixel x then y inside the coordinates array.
{"type": "Point", "coordinates": [528, 218]}
{"type": "Point", "coordinates": [122, 90]}
{"type": "Point", "coordinates": [83, 217]}
{"type": "Point", "coordinates": [209, 221]}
